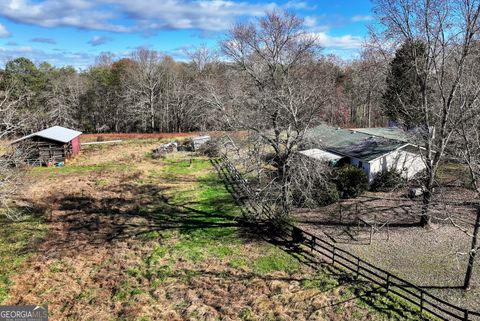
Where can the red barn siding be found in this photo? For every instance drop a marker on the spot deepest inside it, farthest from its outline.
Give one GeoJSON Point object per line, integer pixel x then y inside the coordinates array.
{"type": "Point", "coordinates": [75, 145]}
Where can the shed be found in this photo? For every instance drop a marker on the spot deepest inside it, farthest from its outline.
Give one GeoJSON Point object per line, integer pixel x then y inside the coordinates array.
{"type": "Point", "coordinates": [51, 145]}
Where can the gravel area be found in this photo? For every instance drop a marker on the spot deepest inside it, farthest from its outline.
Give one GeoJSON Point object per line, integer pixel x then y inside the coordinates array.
{"type": "Point", "coordinates": [434, 258]}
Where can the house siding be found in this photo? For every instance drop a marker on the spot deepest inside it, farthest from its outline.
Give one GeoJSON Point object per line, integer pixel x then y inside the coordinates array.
{"type": "Point", "coordinates": [408, 164]}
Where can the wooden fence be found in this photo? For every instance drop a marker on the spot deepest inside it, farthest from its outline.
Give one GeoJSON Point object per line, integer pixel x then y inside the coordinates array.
{"type": "Point", "coordinates": [425, 302]}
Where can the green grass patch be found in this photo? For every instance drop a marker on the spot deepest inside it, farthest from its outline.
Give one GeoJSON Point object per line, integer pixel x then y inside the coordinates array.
{"type": "Point", "coordinates": [239, 262]}
{"type": "Point", "coordinates": [16, 240]}
{"type": "Point", "coordinates": [321, 280]}
{"type": "Point", "coordinates": [185, 166]}
{"type": "Point", "coordinates": [275, 260]}
{"type": "Point", "coordinates": [126, 292]}
{"type": "Point", "coordinates": [78, 169]}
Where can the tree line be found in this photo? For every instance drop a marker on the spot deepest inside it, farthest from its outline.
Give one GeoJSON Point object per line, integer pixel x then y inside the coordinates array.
{"type": "Point", "coordinates": [150, 92]}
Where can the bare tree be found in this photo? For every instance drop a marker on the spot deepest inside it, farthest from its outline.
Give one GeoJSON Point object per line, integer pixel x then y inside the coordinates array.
{"type": "Point", "coordinates": [368, 74]}
{"type": "Point", "coordinates": [144, 81]}
{"type": "Point", "coordinates": [447, 30]}
{"type": "Point", "coordinates": [12, 119]}
{"type": "Point", "coordinates": [467, 148]}
{"type": "Point", "coordinates": [63, 97]}
{"type": "Point", "coordinates": [277, 88]}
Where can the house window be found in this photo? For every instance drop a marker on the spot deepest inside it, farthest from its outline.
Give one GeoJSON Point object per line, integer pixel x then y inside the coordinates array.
{"type": "Point", "coordinates": [360, 164]}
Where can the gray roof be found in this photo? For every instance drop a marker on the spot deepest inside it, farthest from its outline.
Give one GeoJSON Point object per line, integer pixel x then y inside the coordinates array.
{"type": "Point", "coordinates": [353, 143]}
{"type": "Point", "coordinates": [386, 132]}
{"type": "Point", "coordinates": [55, 133]}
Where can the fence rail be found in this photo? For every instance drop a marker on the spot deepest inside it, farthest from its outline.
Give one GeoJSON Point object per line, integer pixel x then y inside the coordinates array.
{"type": "Point", "coordinates": [425, 302]}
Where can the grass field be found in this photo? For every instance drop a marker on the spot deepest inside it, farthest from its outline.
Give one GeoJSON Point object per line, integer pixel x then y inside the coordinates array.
{"type": "Point", "coordinates": [121, 236]}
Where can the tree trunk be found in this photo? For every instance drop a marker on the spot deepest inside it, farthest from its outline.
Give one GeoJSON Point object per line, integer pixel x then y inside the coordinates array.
{"type": "Point", "coordinates": [426, 218]}
{"type": "Point", "coordinates": [472, 253]}
{"type": "Point", "coordinates": [152, 116]}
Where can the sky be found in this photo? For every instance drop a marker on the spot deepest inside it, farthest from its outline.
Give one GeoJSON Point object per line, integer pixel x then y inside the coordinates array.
{"type": "Point", "coordinates": [74, 32]}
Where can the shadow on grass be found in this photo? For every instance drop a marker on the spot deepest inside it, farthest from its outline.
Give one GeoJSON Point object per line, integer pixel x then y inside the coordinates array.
{"type": "Point", "coordinates": [131, 210]}
{"type": "Point", "coordinates": [373, 296]}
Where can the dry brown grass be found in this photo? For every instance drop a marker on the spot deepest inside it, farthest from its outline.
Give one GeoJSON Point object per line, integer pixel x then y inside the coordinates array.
{"type": "Point", "coordinates": [131, 238]}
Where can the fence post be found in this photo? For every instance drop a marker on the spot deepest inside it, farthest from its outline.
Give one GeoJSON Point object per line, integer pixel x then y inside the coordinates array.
{"type": "Point", "coordinates": [388, 281]}
{"type": "Point", "coordinates": [421, 302]}
{"type": "Point", "coordinates": [465, 315]}
{"type": "Point", "coordinates": [333, 257]}
{"type": "Point", "coordinates": [371, 234]}
{"type": "Point", "coordinates": [358, 267]}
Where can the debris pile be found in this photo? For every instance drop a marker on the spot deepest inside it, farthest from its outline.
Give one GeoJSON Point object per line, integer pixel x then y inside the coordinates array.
{"type": "Point", "coordinates": [165, 149]}
{"type": "Point", "coordinates": [189, 145]}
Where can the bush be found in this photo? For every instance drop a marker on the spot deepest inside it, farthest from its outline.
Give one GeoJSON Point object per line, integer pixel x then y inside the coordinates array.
{"type": "Point", "coordinates": [329, 195]}
{"type": "Point", "coordinates": [387, 181]}
{"type": "Point", "coordinates": [322, 195]}
{"type": "Point", "coordinates": [351, 181]}
{"type": "Point", "coordinates": [210, 149]}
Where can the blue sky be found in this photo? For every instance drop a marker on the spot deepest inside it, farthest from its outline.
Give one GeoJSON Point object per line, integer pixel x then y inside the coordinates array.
{"type": "Point", "coordinates": [74, 32]}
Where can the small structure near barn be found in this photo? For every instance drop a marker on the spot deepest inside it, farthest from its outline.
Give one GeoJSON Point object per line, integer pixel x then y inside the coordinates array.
{"type": "Point", "coordinates": [49, 146]}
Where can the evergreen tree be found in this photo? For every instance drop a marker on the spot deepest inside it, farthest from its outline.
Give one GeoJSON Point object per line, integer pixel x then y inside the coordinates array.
{"type": "Point", "coordinates": [403, 96]}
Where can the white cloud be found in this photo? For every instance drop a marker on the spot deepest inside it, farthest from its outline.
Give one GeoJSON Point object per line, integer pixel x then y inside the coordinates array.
{"type": "Point", "coordinates": [4, 32]}
{"type": "Point", "coordinates": [341, 42]}
{"type": "Point", "coordinates": [310, 22]}
{"type": "Point", "coordinates": [138, 15]}
{"type": "Point", "coordinates": [360, 18]}
{"type": "Point", "coordinates": [59, 57]}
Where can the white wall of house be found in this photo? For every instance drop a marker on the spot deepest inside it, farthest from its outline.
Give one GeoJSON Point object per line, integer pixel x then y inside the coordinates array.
{"type": "Point", "coordinates": [408, 164]}
{"type": "Point", "coordinates": [363, 165]}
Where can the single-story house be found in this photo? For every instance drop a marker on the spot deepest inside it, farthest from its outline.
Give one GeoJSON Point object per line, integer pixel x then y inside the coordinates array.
{"type": "Point", "coordinates": [49, 146]}
{"type": "Point", "coordinates": [374, 150]}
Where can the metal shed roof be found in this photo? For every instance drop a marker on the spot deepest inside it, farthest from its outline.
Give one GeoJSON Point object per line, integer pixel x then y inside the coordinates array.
{"type": "Point", "coordinates": [55, 133]}
{"type": "Point", "coordinates": [353, 143]}
{"type": "Point", "coordinates": [386, 132]}
{"type": "Point", "coordinates": [320, 154]}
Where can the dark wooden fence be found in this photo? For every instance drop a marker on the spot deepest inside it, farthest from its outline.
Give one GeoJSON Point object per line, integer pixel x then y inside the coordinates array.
{"type": "Point", "coordinates": [425, 302]}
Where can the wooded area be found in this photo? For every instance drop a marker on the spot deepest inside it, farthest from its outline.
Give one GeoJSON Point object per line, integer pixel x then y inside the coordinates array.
{"type": "Point", "coordinates": [149, 92]}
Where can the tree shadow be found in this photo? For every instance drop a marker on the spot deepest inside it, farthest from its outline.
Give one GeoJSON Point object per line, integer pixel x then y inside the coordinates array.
{"type": "Point", "coordinates": [376, 297]}
{"type": "Point", "coordinates": [130, 211]}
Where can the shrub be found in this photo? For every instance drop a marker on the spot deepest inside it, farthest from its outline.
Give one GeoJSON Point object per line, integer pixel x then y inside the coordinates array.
{"type": "Point", "coordinates": [387, 181]}
{"type": "Point", "coordinates": [210, 149]}
{"type": "Point", "coordinates": [329, 195]}
{"type": "Point", "coordinates": [351, 181]}
{"type": "Point", "coordinates": [322, 195]}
